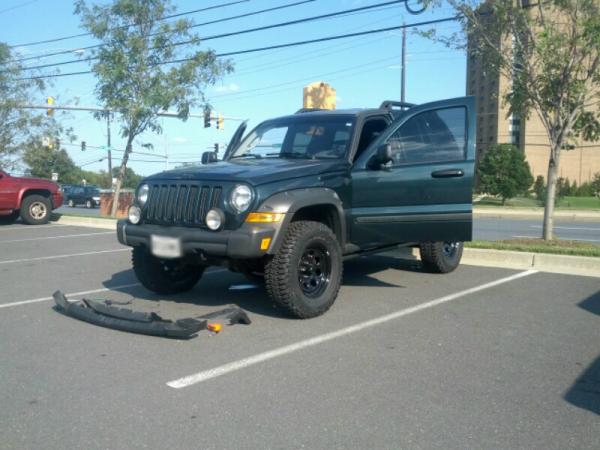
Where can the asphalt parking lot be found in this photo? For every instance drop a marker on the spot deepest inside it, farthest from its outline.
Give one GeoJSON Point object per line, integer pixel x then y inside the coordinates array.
{"type": "Point", "coordinates": [480, 358]}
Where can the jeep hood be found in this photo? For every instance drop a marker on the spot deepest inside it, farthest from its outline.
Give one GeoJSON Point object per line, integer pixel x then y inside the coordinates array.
{"type": "Point", "coordinates": [253, 171]}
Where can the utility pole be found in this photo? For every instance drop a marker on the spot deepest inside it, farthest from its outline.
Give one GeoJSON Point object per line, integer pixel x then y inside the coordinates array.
{"type": "Point", "coordinates": [403, 67]}
{"type": "Point", "coordinates": [110, 174]}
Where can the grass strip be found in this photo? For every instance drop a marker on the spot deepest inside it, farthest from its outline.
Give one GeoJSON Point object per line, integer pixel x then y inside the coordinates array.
{"type": "Point", "coordinates": [557, 247]}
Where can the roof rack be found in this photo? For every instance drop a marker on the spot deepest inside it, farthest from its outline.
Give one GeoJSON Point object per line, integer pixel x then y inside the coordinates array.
{"type": "Point", "coordinates": [391, 104]}
{"type": "Point", "coordinates": [305, 110]}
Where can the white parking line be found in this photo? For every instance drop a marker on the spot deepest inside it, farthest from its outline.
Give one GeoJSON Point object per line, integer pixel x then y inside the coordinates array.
{"type": "Point", "coordinates": [281, 351]}
{"type": "Point", "coordinates": [72, 294]}
{"type": "Point", "coordinates": [93, 291]}
{"type": "Point", "coordinates": [57, 237]}
{"type": "Point", "coordinates": [43, 258]}
{"type": "Point", "coordinates": [32, 228]}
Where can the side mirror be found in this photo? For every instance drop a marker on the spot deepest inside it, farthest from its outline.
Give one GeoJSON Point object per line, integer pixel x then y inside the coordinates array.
{"type": "Point", "coordinates": [209, 157]}
{"type": "Point", "coordinates": [382, 156]}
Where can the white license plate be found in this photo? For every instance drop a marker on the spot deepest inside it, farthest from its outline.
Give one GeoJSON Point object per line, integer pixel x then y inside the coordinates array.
{"type": "Point", "coordinates": [166, 247]}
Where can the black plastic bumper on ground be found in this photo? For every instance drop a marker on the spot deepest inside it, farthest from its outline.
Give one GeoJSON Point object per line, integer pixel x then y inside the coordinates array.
{"type": "Point", "coordinates": [242, 243]}
{"type": "Point", "coordinates": [126, 320]}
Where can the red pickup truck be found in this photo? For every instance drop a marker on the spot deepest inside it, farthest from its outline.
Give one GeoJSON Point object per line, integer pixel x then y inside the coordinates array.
{"type": "Point", "coordinates": [31, 198]}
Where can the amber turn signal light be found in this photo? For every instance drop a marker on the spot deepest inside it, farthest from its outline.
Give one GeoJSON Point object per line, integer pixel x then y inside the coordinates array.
{"type": "Point", "coordinates": [255, 217]}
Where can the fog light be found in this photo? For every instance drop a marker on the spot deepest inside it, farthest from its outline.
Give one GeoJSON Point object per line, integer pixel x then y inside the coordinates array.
{"type": "Point", "coordinates": [215, 219]}
{"type": "Point", "coordinates": [135, 214]}
{"type": "Point", "coordinates": [264, 243]}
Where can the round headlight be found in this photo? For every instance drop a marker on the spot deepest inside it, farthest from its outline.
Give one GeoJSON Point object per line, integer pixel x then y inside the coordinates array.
{"type": "Point", "coordinates": [241, 197]}
{"type": "Point", "coordinates": [215, 219]}
{"type": "Point", "coordinates": [135, 214]}
{"type": "Point", "coordinates": [142, 194]}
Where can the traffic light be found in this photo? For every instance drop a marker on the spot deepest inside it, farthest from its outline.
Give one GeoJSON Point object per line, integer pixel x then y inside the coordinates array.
{"type": "Point", "coordinates": [83, 146]}
{"type": "Point", "coordinates": [216, 148]}
{"type": "Point", "coordinates": [50, 102]}
{"type": "Point", "coordinates": [207, 118]}
{"type": "Point", "coordinates": [220, 122]}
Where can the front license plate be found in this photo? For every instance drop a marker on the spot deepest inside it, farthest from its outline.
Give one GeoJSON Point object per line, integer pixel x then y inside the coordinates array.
{"type": "Point", "coordinates": [166, 247]}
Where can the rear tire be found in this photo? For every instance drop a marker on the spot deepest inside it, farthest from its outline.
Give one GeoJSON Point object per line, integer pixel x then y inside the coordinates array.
{"type": "Point", "coordinates": [164, 276]}
{"type": "Point", "coordinates": [441, 257]}
{"type": "Point", "coordinates": [305, 274]}
{"type": "Point", "coordinates": [88, 204]}
{"type": "Point", "coordinates": [35, 210]}
{"type": "Point", "coordinates": [71, 204]}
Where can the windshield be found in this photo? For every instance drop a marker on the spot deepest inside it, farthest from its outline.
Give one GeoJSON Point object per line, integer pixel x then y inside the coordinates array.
{"type": "Point", "coordinates": [298, 137]}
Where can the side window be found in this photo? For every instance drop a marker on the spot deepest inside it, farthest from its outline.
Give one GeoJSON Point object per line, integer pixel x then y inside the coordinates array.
{"type": "Point", "coordinates": [370, 131]}
{"type": "Point", "coordinates": [431, 136]}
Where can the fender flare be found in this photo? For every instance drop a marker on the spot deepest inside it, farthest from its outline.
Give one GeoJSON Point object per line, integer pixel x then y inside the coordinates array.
{"type": "Point", "coordinates": [290, 202]}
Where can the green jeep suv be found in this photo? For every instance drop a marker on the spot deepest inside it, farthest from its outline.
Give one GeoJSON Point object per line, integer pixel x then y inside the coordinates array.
{"type": "Point", "coordinates": [296, 195]}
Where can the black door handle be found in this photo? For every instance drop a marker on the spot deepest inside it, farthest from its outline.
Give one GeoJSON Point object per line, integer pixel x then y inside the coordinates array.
{"type": "Point", "coordinates": [447, 173]}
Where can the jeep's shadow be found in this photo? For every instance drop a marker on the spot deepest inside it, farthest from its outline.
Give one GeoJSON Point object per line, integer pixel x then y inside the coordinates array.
{"type": "Point", "coordinates": [585, 391]}
{"type": "Point", "coordinates": [218, 288]}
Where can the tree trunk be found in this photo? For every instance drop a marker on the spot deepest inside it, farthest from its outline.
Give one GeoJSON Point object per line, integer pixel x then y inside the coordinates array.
{"type": "Point", "coordinates": [548, 227]}
{"type": "Point", "coordinates": [120, 176]}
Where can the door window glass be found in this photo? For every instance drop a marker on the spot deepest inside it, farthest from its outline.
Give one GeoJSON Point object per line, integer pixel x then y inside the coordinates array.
{"type": "Point", "coordinates": [431, 136]}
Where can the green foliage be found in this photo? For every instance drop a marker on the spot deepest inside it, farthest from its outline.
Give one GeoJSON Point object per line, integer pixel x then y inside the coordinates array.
{"type": "Point", "coordinates": [539, 187]}
{"type": "Point", "coordinates": [133, 79]}
{"type": "Point", "coordinates": [131, 179]}
{"type": "Point", "coordinates": [550, 53]}
{"type": "Point", "coordinates": [504, 172]}
{"type": "Point", "coordinates": [42, 161]}
{"type": "Point", "coordinates": [595, 185]}
{"type": "Point", "coordinates": [585, 190]}
{"type": "Point", "coordinates": [20, 128]}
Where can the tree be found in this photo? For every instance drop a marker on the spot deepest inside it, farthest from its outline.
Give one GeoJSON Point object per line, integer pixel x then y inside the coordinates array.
{"type": "Point", "coordinates": [43, 161]}
{"type": "Point", "coordinates": [146, 66]}
{"type": "Point", "coordinates": [503, 171]}
{"type": "Point", "coordinates": [19, 127]}
{"type": "Point", "coordinates": [550, 50]}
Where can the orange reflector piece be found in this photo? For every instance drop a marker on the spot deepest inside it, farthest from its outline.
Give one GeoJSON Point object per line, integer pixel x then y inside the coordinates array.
{"type": "Point", "coordinates": [264, 244]}
{"type": "Point", "coordinates": [214, 327]}
{"type": "Point", "coordinates": [255, 217]}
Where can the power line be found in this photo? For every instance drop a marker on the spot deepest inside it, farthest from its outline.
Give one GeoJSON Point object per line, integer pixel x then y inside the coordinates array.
{"type": "Point", "coordinates": [237, 33]}
{"type": "Point", "coordinates": [64, 38]}
{"type": "Point", "coordinates": [17, 6]}
{"type": "Point", "coordinates": [225, 19]}
{"type": "Point", "coordinates": [272, 47]}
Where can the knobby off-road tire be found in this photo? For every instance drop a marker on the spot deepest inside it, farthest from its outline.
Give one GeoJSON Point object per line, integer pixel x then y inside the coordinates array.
{"type": "Point", "coordinates": [36, 210]}
{"type": "Point", "coordinates": [164, 276]}
{"type": "Point", "coordinates": [441, 257]}
{"type": "Point", "coordinates": [304, 276]}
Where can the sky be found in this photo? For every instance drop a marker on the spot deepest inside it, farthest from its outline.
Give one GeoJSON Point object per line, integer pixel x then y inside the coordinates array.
{"type": "Point", "coordinates": [364, 70]}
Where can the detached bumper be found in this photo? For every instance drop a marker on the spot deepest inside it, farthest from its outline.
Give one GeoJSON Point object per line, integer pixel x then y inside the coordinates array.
{"type": "Point", "coordinates": [244, 242]}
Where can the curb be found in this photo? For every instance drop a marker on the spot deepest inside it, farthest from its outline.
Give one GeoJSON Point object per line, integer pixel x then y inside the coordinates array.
{"type": "Point", "coordinates": [544, 262]}
{"type": "Point", "coordinates": [530, 213]}
{"type": "Point", "coordinates": [91, 222]}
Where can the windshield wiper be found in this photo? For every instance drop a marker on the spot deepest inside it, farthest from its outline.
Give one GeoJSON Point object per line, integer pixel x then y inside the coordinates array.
{"type": "Point", "coordinates": [297, 155]}
{"type": "Point", "coordinates": [247, 155]}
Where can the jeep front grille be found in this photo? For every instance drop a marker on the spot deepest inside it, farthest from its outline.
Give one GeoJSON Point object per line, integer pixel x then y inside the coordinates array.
{"type": "Point", "coordinates": [184, 204]}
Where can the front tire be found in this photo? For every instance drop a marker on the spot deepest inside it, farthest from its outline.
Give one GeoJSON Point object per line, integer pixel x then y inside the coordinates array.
{"type": "Point", "coordinates": [88, 204]}
{"type": "Point", "coordinates": [441, 257]}
{"type": "Point", "coordinates": [305, 274]}
{"type": "Point", "coordinates": [35, 210]}
{"type": "Point", "coordinates": [164, 276]}
{"type": "Point", "coordinates": [71, 204]}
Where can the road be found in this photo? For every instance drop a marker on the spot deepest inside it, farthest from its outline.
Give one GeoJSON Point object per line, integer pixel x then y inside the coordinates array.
{"type": "Point", "coordinates": [479, 358]}
{"type": "Point", "coordinates": [492, 229]}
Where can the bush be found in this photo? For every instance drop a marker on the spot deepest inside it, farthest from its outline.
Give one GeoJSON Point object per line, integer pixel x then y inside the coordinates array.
{"type": "Point", "coordinates": [595, 185]}
{"type": "Point", "coordinates": [585, 190]}
{"type": "Point", "coordinates": [504, 172]}
{"type": "Point", "coordinates": [539, 187]}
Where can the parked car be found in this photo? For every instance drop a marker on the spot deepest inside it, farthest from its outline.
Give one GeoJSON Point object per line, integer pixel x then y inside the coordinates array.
{"type": "Point", "coordinates": [31, 198]}
{"type": "Point", "coordinates": [299, 193]}
{"type": "Point", "coordinates": [83, 195]}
